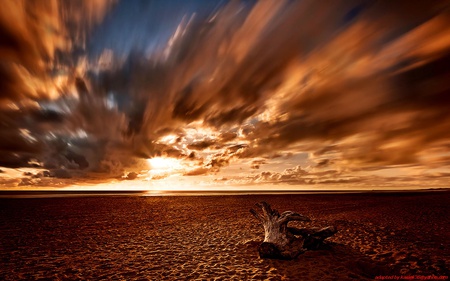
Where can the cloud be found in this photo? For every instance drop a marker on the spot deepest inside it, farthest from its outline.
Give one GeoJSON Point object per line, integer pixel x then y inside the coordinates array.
{"type": "Point", "coordinates": [357, 85]}
{"type": "Point", "coordinates": [384, 107]}
{"type": "Point", "coordinates": [34, 35]}
{"type": "Point", "coordinates": [256, 164]}
{"type": "Point", "coordinates": [131, 176]}
{"type": "Point", "coordinates": [61, 173]}
{"type": "Point", "coordinates": [298, 176]}
{"type": "Point", "coordinates": [201, 145]}
{"type": "Point", "coordinates": [197, 171]}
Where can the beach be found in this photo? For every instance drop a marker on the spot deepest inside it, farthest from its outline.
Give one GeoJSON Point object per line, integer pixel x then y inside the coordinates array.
{"type": "Point", "coordinates": [216, 237]}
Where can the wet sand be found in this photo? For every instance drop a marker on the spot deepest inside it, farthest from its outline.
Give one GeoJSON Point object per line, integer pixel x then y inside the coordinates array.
{"type": "Point", "coordinates": [215, 237]}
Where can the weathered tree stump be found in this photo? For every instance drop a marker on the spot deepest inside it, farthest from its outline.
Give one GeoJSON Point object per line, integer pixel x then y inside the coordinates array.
{"type": "Point", "coordinates": [283, 242]}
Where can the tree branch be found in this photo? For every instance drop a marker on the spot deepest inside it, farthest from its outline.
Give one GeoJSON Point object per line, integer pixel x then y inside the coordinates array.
{"type": "Point", "coordinates": [256, 215]}
{"type": "Point", "coordinates": [292, 216]}
{"type": "Point", "coordinates": [268, 212]}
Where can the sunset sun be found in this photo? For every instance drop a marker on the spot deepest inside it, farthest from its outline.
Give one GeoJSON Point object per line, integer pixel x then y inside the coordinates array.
{"type": "Point", "coordinates": [163, 164]}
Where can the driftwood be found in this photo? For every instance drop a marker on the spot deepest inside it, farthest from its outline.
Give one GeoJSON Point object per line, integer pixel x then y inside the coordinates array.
{"type": "Point", "coordinates": [284, 242]}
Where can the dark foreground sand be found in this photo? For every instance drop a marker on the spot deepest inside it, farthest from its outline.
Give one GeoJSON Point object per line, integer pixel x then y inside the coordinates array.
{"type": "Point", "coordinates": [215, 237]}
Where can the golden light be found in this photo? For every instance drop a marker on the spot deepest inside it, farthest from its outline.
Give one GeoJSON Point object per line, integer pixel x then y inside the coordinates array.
{"type": "Point", "coordinates": [163, 164]}
{"type": "Point", "coordinates": [169, 139]}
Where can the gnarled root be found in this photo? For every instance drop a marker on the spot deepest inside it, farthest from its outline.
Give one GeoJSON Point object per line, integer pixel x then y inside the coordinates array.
{"type": "Point", "coordinates": [314, 236]}
{"type": "Point", "coordinates": [283, 242]}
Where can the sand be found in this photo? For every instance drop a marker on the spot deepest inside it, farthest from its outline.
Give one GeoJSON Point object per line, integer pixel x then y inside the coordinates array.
{"type": "Point", "coordinates": [215, 237]}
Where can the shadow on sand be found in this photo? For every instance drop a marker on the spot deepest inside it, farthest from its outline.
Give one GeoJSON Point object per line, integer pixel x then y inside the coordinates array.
{"type": "Point", "coordinates": [331, 262]}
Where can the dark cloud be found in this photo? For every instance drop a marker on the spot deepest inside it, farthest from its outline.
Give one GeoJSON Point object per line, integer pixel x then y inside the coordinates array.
{"type": "Point", "coordinates": [201, 145]}
{"type": "Point", "coordinates": [61, 173]}
{"type": "Point", "coordinates": [197, 171]}
{"type": "Point", "coordinates": [131, 176]}
{"type": "Point", "coordinates": [33, 35]}
{"type": "Point", "coordinates": [227, 136]}
{"type": "Point", "coordinates": [323, 163]}
{"type": "Point", "coordinates": [217, 162]}
{"type": "Point", "coordinates": [256, 164]}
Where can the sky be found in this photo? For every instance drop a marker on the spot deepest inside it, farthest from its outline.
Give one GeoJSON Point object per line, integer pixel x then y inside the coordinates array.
{"type": "Point", "coordinates": [232, 95]}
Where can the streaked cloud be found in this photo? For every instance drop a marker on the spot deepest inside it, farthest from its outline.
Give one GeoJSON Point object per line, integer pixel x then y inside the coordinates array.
{"type": "Point", "coordinates": [229, 89]}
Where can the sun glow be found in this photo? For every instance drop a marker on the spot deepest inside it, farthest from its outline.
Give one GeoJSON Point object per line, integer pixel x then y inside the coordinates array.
{"type": "Point", "coordinates": [162, 164]}
{"type": "Point", "coordinates": [169, 139]}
